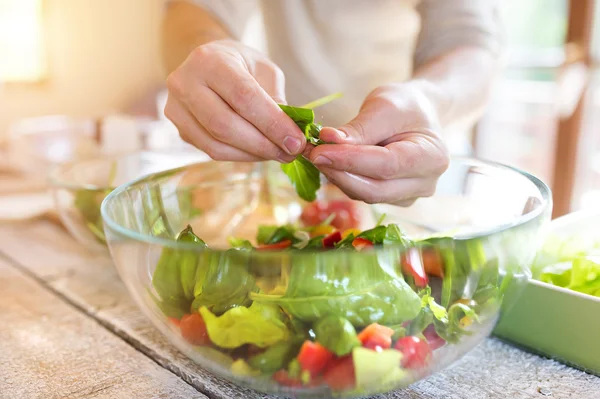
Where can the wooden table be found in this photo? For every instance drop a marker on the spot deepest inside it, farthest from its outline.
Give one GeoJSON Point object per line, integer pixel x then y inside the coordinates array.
{"type": "Point", "coordinates": [70, 330]}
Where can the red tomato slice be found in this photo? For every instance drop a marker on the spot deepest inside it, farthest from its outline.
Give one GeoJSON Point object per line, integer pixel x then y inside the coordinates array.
{"type": "Point", "coordinates": [346, 214]}
{"type": "Point", "coordinates": [412, 264]}
{"type": "Point", "coordinates": [313, 357]}
{"type": "Point", "coordinates": [283, 378]}
{"type": "Point", "coordinates": [361, 243]}
{"type": "Point", "coordinates": [432, 262]}
{"type": "Point", "coordinates": [274, 247]}
{"type": "Point", "coordinates": [339, 375]}
{"type": "Point", "coordinates": [376, 336]}
{"type": "Point", "coordinates": [416, 351]}
{"type": "Point", "coordinates": [332, 239]}
{"type": "Point", "coordinates": [193, 329]}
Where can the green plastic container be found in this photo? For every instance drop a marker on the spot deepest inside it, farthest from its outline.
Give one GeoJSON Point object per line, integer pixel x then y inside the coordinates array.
{"type": "Point", "coordinates": [555, 322]}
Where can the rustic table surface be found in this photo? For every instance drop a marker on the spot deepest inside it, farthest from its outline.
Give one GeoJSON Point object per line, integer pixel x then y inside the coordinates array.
{"type": "Point", "coordinates": [70, 330]}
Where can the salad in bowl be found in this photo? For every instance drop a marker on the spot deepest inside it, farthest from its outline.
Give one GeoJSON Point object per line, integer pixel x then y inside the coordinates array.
{"type": "Point", "coordinates": [330, 297]}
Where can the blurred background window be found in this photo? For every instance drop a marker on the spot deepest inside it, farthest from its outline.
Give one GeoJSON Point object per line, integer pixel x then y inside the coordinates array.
{"type": "Point", "coordinates": [21, 41]}
{"type": "Point", "coordinates": [542, 114]}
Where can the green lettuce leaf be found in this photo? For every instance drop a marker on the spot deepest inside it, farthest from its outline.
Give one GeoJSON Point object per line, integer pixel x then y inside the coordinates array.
{"type": "Point", "coordinates": [581, 275]}
{"type": "Point", "coordinates": [355, 287]}
{"type": "Point", "coordinates": [261, 325]}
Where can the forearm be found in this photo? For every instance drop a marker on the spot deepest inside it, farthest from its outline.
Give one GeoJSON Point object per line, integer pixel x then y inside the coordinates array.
{"type": "Point", "coordinates": [459, 83]}
{"type": "Point", "coordinates": [185, 27]}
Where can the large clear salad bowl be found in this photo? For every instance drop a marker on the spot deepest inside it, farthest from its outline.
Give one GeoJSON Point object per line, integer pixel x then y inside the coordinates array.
{"type": "Point", "coordinates": [403, 295]}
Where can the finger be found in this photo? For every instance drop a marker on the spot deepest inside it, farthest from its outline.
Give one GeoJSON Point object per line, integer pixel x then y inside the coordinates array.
{"type": "Point", "coordinates": [371, 191]}
{"type": "Point", "coordinates": [243, 93]}
{"type": "Point", "coordinates": [193, 133]}
{"type": "Point", "coordinates": [272, 80]}
{"type": "Point", "coordinates": [370, 127]}
{"type": "Point", "coordinates": [226, 126]}
{"type": "Point", "coordinates": [413, 156]}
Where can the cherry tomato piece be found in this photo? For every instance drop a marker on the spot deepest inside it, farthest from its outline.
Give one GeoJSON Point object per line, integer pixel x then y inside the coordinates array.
{"type": "Point", "coordinates": [193, 329]}
{"type": "Point", "coordinates": [313, 357]}
{"type": "Point", "coordinates": [412, 265]}
{"type": "Point", "coordinates": [346, 214]}
{"type": "Point", "coordinates": [361, 243]}
{"type": "Point", "coordinates": [416, 352]}
{"type": "Point", "coordinates": [432, 262]}
{"type": "Point", "coordinates": [332, 239]}
{"type": "Point", "coordinates": [339, 375]}
{"type": "Point", "coordinates": [274, 247]}
{"type": "Point", "coordinates": [376, 336]}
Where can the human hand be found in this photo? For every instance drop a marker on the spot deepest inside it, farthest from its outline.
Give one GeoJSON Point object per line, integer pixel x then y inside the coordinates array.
{"type": "Point", "coordinates": [223, 100]}
{"type": "Point", "coordinates": [391, 152]}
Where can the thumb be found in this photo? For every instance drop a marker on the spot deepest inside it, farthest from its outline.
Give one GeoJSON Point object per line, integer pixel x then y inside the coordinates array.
{"type": "Point", "coordinates": [370, 127]}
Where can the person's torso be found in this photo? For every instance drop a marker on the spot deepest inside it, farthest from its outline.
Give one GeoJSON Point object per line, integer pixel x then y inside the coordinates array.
{"type": "Point", "coordinates": [348, 46]}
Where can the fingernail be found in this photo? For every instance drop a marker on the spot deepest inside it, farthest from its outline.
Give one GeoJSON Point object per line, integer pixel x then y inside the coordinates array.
{"type": "Point", "coordinates": [292, 145]}
{"type": "Point", "coordinates": [285, 158]}
{"type": "Point", "coordinates": [322, 160]}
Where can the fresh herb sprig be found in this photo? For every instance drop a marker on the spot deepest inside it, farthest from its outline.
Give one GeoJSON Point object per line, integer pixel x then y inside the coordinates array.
{"type": "Point", "coordinates": [303, 175]}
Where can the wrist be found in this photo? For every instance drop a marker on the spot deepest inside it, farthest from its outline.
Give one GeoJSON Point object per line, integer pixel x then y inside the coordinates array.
{"type": "Point", "coordinates": [435, 97]}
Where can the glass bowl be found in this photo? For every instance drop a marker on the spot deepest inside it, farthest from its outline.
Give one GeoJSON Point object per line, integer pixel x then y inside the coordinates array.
{"type": "Point", "coordinates": [80, 186]}
{"type": "Point", "coordinates": [416, 290]}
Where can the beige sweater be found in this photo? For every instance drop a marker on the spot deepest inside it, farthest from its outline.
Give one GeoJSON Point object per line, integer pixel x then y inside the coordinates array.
{"type": "Point", "coordinates": [353, 46]}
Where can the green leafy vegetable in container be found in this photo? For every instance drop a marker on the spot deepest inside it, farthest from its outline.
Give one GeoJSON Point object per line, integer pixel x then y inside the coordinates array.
{"type": "Point", "coordinates": [334, 311]}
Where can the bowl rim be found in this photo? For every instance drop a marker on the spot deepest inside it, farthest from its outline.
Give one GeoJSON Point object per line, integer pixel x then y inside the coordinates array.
{"type": "Point", "coordinates": [57, 180]}
{"type": "Point", "coordinates": [543, 189]}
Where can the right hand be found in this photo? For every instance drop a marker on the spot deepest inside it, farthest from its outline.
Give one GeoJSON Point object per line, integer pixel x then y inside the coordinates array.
{"type": "Point", "coordinates": [223, 100]}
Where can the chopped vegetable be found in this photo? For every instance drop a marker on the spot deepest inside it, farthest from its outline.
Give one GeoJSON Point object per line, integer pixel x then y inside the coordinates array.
{"type": "Point", "coordinates": [313, 357]}
{"type": "Point", "coordinates": [275, 357]}
{"type": "Point", "coordinates": [332, 239]}
{"type": "Point", "coordinates": [416, 351]}
{"type": "Point", "coordinates": [259, 324]}
{"type": "Point", "coordinates": [373, 368]}
{"type": "Point", "coordinates": [340, 374]}
{"type": "Point", "coordinates": [412, 264]}
{"type": "Point", "coordinates": [336, 334]}
{"type": "Point", "coordinates": [193, 329]}
{"type": "Point", "coordinates": [376, 337]}
{"type": "Point", "coordinates": [361, 243]}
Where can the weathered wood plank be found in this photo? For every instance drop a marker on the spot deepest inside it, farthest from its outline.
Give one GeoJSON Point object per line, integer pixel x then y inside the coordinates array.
{"type": "Point", "coordinates": [492, 370]}
{"type": "Point", "coordinates": [51, 350]}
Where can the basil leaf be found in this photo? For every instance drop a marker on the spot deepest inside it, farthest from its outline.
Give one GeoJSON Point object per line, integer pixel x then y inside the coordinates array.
{"type": "Point", "coordinates": [223, 281]}
{"type": "Point", "coordinates": [376, 235]}
{"type": "Point", "coordinates": [304, 176]}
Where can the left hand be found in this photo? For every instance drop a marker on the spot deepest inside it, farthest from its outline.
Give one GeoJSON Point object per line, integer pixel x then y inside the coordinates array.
{"type": "Point", "coordinates": [391, 152]}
